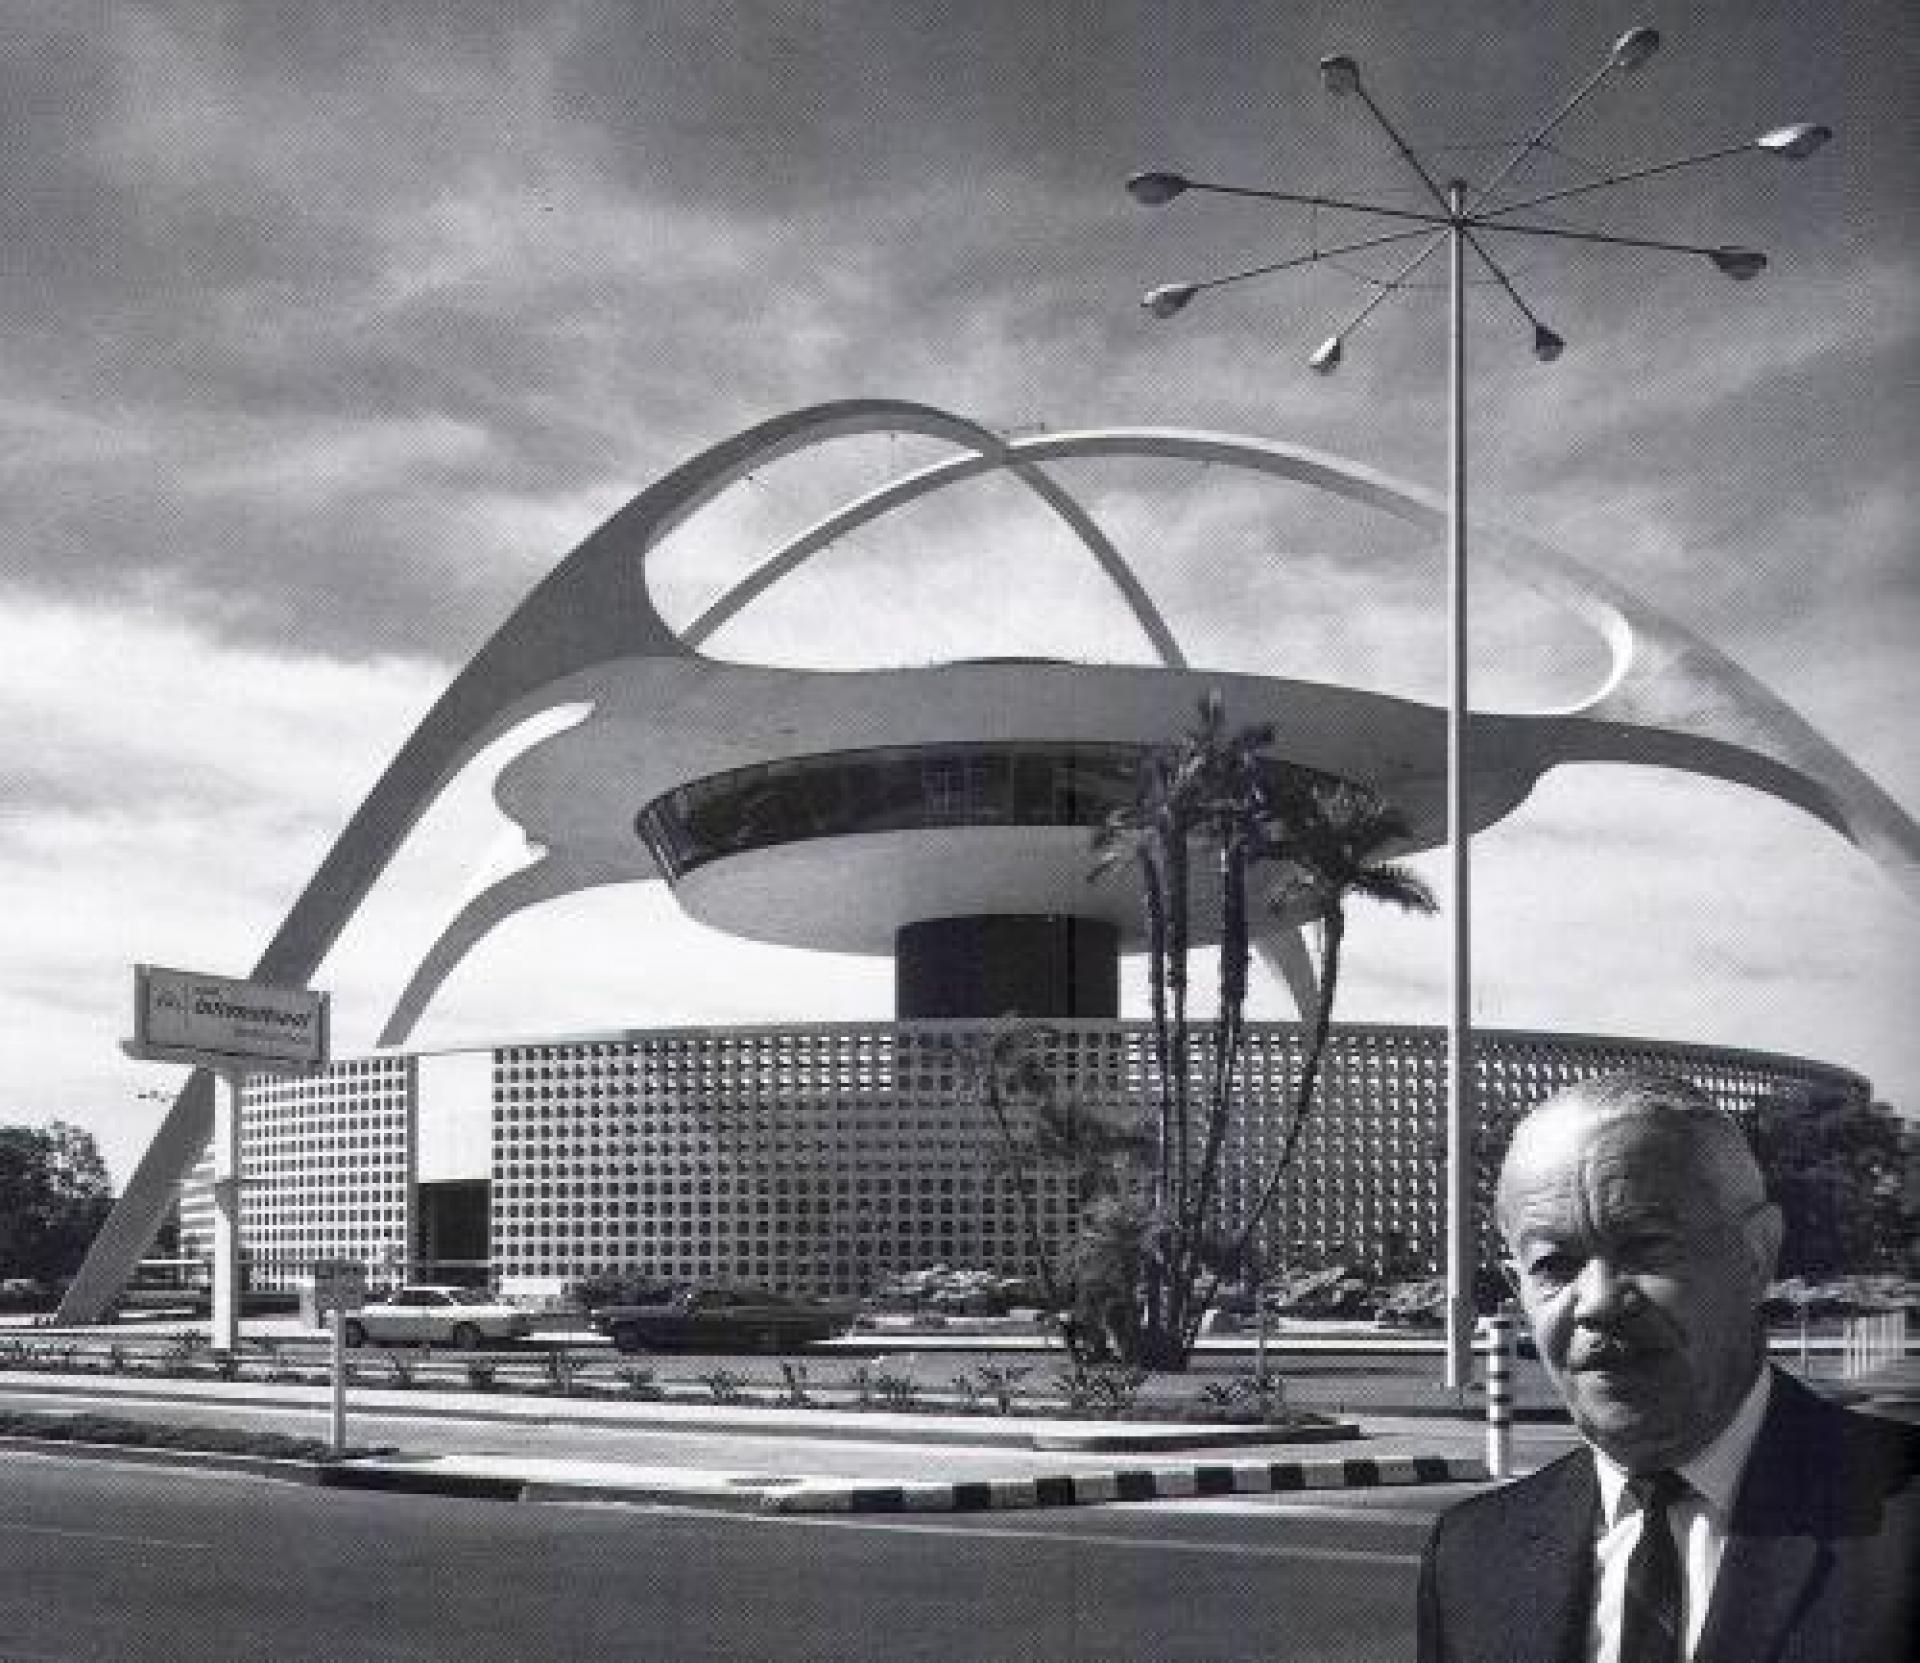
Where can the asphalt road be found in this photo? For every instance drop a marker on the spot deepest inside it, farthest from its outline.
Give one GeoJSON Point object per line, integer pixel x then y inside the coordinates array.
{"type": "Point", "coordinates": [107, 1562]}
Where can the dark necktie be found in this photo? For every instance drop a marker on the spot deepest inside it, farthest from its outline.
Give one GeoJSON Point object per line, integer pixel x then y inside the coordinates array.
{"type": "Point", "coordinates": [1650, 1620]}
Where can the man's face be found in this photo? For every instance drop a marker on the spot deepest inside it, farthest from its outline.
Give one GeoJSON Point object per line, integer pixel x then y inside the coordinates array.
{"type": "Point", "coordinates": [1641, 1277]}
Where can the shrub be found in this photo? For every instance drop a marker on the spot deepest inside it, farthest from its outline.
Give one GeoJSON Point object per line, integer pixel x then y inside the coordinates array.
{"type": "Point", "coordinates": [726, 1385]}
{"type": "Point", "coordinates": [998, 1381]}
{"type": "Point", "coordinates": [1245, 1397]}
{"type": "Point", "coordinates": [860, 1383]}
{"type": "Point", "coordinates": [795, 1395]}
{"type": "Point", "coordinates": [1104, 1390]}
{"type": "Point", "coordinates": [186, 1347]}
{"type": "Point", "coordinates": [896, 1391]}
{"type": "Point", "coordinates": [640, 1382]}
{"type": "Point", "coordinates": [279, 1367]}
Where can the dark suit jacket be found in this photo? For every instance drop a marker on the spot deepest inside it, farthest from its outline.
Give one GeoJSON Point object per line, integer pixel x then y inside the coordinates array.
{"type": "Point", "coordinates": [1820, 1563]}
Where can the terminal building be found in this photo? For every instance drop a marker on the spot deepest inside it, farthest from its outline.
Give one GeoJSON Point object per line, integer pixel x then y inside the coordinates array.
{"type": "Point", "coordinates": [825, 1159]}
{"type": "Point", "coordinates": [938, 815]}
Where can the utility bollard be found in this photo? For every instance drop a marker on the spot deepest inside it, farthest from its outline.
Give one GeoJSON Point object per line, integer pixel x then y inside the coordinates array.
{"type": "Point", "coordinates": [1500, 1350]}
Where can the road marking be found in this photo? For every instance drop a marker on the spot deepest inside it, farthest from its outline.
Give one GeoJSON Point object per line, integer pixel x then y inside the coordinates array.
{"type": "Point", "coordinates": [1095, 1538]}
{"type": "Point", "coordinates": [7, 1528]}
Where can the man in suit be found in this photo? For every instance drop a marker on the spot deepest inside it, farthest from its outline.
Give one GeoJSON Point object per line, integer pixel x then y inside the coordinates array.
{"type": "Point", "coordinates": [1721, 1512]}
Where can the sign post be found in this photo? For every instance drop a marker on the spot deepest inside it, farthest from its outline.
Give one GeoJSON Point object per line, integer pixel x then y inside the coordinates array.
{"type": "Point", "coordinates": [225, 1336]}
{"type": "Point", "coordinates": [234, 1029]}
{"type": "Point", "coordinates": [339, 1286]}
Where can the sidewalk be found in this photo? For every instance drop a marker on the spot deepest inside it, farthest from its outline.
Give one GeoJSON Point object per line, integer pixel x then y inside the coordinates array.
{"type": "Point", "coordinates": [807, 1460]}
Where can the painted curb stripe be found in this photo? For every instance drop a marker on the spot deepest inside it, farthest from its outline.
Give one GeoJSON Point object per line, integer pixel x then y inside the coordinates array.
{"type": "Point", "coordinates": [1067, 1490]}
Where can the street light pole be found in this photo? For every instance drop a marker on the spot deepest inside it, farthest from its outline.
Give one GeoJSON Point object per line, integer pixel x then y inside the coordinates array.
{"type": "Point", "coordinates": [1465, 218]}
{"type": "Point", "coordinates": [1461, 1119]}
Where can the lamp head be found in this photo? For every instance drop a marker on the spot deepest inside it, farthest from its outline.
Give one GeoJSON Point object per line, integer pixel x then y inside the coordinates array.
{"type": "Point", "coordinates": [1633, 49]}
{"type": "Point", "coordinates": [1796, 143]}
{"type": "Point", "coordinates": [1326, 356]}
{"type": "Point", "coordinates": [1741, 264]}
{"type": "Point", "coordinates": [1169, 298]}
{"type": "Point", "coordinates": [1547, 346]}
{"type": "Point", "coordinates": [1152, 189]}
{"type": "Point", "coordinates": [1340, 75]}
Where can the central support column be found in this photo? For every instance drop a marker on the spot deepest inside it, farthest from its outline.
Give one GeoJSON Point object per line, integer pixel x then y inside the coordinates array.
{"type": "Point", "coordinates": [1001, 965]}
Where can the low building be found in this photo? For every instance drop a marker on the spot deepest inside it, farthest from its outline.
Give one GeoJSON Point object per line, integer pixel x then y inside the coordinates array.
{"type": "Point", "coordinates": [826, 1158]}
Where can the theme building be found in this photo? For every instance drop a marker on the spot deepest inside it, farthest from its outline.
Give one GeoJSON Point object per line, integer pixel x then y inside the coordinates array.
{"type": "Point", "coordinates": [938, 815]}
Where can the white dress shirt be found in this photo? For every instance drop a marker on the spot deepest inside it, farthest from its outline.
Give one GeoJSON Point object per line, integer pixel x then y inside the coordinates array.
{"type": "Point", "coordinates": [1700, 1520]}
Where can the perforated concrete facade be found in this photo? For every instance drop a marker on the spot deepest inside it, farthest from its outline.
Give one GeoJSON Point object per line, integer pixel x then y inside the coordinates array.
{"type": "Point", "coordinates": [326, 1166]}
{"type": "Point", "coordinates": [824, 1158]}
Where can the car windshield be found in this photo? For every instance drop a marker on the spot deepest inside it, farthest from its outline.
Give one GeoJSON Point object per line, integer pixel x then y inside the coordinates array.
{"type": "Point", "coordinates": [470, 1296]}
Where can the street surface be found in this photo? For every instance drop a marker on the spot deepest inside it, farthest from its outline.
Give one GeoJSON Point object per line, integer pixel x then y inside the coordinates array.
{"type": "Point", "coordinates": [117, 1564]}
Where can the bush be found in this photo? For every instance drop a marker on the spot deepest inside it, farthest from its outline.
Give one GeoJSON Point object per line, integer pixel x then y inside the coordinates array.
{"type": "Point", "coordinates": [998, 1381]}
{"type": "Point", "coordinates": [563, 1370]}
{"type": "Point", "coordinates": [726, 1385]}
{"type": "Point", "coordinates": [1103, 1390]}
{"type": "Point", "coordinates": [1244, 1398]}
{"type": "Point", "coordinates": [401, 1369]}
{"type": "Point", "coordinates": [640, 1382]}
{"type": "Point", "coordinates": [896, 1391]}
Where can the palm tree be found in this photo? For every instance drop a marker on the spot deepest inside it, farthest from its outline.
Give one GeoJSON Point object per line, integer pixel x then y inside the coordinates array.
{"type": "Point", "coordinates": [1337, 839]}
{"type": "Point", "coordinates": [1210, 786]}
{"type": "Point", "coordinates": [1222, 791]}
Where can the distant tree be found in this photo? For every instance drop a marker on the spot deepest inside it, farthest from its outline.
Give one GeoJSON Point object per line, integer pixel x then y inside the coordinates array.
{"type": "Point", "coordinates": [54, 1196]}
{"type": "Point", "coordinates": [1838, 1169]}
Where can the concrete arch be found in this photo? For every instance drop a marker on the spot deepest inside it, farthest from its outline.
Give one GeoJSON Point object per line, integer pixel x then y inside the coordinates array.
{"type": "Point", "coordinates": [789, 556]}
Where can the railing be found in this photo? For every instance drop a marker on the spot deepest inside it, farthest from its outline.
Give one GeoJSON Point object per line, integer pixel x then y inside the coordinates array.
{"type": "Point", "coordinates": [1872, 1342]}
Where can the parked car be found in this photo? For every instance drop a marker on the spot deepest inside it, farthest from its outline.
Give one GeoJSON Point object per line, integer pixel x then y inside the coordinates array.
{"type": "Point", "coordinates": [460, 1317]}
{"type": "Point", "coordinates": [719, 1319]}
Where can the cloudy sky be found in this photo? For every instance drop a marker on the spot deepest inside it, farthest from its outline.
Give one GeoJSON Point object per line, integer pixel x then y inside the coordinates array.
{"type": "Point", "coordinates": [329, 329]}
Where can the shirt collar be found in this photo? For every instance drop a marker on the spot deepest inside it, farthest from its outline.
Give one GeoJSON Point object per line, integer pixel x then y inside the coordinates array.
{"type": "Point", "coordinates": [1713, 1474]}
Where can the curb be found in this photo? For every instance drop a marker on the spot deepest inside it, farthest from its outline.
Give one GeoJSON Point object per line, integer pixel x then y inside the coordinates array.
{"type": "Point", "coordinates": [1154, 1484]}
{"type": "Point", "coordinates": [803, 1495]}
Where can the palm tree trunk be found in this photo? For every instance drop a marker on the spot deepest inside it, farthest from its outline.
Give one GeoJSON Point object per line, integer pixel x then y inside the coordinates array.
{"type": "Point", "coordinates": [1226, 1054]}
{"type": "Point", "coordinates": [1333, 925]}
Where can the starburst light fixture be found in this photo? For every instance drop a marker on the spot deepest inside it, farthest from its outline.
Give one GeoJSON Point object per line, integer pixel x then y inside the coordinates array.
{"type": "Point", "coordinates": [1465, 218]}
